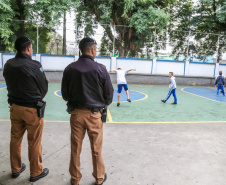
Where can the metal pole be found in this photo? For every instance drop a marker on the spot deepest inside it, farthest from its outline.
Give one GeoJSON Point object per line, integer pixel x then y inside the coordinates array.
{"type": "Point", "coordinates": [76, 36]}
{"type": "Point", "coordinates": [37, 39]}
{"type": "Point", "coordinates": [154, 44]}
{"type": "Point", "coordinates": [218, 45]}
{"type": "Point", "coordinates": [188, 43]}
{"type": "Point", "coordinates": [114, 41]}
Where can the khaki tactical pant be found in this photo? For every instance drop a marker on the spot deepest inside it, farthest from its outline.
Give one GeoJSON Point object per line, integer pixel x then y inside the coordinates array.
{"type": "Point", "coordinates": [22, 119]}
{"type": "Point", "coordinates": [82, 120]}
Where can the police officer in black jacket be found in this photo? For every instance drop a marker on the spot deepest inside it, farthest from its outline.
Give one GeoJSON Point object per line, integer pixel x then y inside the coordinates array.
{"type": "Point", "coordinates": [27, 86]}
{"type": "Point", "coordinates": [87, 88]}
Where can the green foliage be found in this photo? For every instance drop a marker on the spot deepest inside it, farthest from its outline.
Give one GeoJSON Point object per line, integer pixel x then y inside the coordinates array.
{"type": "Point", "coordinates": [221, 13]}
{"type": "Point", "coordinates": [139, 24]}
{"type": "Point", "coordinates": [206, 21]}
{"type": "Point", "coordinates": [132, 20]}
{"type": "Point", "coordinates": [6, 15]}
{"type": "Point", "coordinates": [42, 13]}
{"type": "Point", "coordinates": [106, 46]}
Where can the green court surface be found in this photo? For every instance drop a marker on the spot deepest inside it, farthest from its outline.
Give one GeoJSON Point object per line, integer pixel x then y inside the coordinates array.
{"type": "Point", "coordinates": [194, 105]}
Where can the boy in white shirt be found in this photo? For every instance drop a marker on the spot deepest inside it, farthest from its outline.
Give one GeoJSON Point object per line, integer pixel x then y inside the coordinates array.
{"type": "Point", "coordinates": [172, 89]}
{"type": "Point", "coordinates": [121, 82]}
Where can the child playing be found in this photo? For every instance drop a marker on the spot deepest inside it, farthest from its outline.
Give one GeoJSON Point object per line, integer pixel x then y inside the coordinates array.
{"type": "Point", "coordinates": [121, 81]}
{"type": "Point", "coordinates": [172, 89]}
{"type": "Point", "coordinates": [220, 83]}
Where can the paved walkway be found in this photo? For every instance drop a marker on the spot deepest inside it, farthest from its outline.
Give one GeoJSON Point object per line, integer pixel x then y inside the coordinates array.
{"type": "Point", "coordinates": [145, 154]}
{"type": "Point", "coordinates": [162, 144]}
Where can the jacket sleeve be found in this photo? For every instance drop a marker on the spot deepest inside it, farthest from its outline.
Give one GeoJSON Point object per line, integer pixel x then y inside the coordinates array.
{"type": "Point", "coordinates": [64, 89]}
{"type": "Point", "coordinates": [223, 81]}
{"type": "Point", "coordinates": [216, 81]}
{"type": "Point", "coordinates": [108, 89]}
{"type": "Point", "coordinates": [41, 80]}
{"type": "Point", "coordinates": [172, 83]}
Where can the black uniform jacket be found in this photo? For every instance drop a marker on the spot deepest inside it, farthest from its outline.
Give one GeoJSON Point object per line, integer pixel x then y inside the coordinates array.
{"type": "Point", "coordinates": [87, 84]}
{"type": "Point", "coordinates": [25, 80]}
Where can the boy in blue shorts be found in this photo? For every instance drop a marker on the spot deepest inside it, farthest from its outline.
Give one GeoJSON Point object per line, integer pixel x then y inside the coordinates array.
{"type": "Point", "coordinates": [121, 81]}
{"type": "Point", "coordinates": [172, 89]}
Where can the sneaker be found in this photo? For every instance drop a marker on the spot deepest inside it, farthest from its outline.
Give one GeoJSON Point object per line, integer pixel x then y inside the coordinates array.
{"type": "Point", "coordinates": [15, 175]}
{"type": "Point", "coordinates": [174, 103]}
{"type": "Point", "coordinates": [163, 101]}
{"type": "Point", "coordinates": [128, 100]}
{"type": "Point", "coordinates": [118, 104]}
{"type": "Point", "coordinates": [105, 178]}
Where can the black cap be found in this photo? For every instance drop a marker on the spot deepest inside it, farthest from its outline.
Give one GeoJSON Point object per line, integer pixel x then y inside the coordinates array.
{"type": "Point", "coordinates": [20, 42]}
{"type": "Point", "coordinates": [86, 40]}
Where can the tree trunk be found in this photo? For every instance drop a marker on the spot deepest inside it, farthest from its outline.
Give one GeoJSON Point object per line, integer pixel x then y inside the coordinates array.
{"type": "Point", "coordinates": [2, 47]}
{"type": "Point", "coordinates": [21, 16]}
{"type": "Point", "coordinates": [64, 35]}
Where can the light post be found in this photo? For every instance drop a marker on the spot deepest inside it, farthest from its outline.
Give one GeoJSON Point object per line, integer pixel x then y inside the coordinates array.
{"type": "Point", "coordinates": [51, 47]}
{"type": "Point", "coordinates": [57, 42]}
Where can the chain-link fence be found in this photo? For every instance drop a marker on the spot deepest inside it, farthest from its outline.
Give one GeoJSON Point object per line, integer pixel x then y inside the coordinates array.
{"type": "Point", "coordinates": [124, 41]}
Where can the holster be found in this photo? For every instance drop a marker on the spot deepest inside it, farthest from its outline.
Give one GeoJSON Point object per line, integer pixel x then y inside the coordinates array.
{"type": "Point", "coordinates": [41, 105]}
{"type": "Point", "coordinates": [103, 112]}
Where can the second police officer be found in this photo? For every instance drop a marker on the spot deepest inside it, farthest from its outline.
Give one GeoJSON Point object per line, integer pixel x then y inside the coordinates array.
{"type": "Point", "coordinates": [87, 88]}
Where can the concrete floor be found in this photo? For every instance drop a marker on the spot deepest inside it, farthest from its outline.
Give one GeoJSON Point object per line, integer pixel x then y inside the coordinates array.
{"type": "Point", "coordinates": [145, 154]}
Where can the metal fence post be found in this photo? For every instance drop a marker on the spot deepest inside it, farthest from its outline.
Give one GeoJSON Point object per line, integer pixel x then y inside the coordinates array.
{"type": "Point", "coordinates": [218, 45]}
{"type": "Point", "coordinates": [37, 38]}
{"type": "Point", "coordinates": [114, 41]}
{"type": "Point", "coordinates": [154, 44]}
{"type": "Point", "coordinates": [76, 40]}
{"type": "Point", "coordinates": [76, 36]}
{"type": "Point", "coordinates": [188, 45]}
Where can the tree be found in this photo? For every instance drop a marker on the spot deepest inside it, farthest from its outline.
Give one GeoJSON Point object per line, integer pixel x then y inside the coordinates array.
{"type": "Point", "coordinates": [130, 19]}
{"type": "Point", "coordinates": [106, 46]}
{"type": "Point", "coordinates": [46, 14]}
{"type": "Point", "coordinates": [6, 15]}
{"type": "Point", "coordinates": [202, 22]}
{"type": "Point", "coordinates": [210, 17]}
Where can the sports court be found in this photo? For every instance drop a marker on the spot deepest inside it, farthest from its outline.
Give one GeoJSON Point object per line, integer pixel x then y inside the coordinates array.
{"type": "Point", "coordinates": [146, 142]}
{"type": "Point", "coordinates": [195, 104]}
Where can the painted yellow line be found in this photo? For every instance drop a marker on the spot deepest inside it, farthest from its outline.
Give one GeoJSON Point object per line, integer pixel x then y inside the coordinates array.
{"type": "Point", "coordinates": [57, 94]}
{"type": "Point", "coordinates": [109, 116]}
{"type": "Point", "coordinates": [49, 121]}
{"type": "Point", "coordinates": [145, 96]}
{"type": "Point", "coordinates": [108, 111]}
{"type": "Point", "coordinates": [170, 122]}
{"type": "Point", "coordinates": [200, 96]}
{"type": "Point", "coordinates": [3, 87]}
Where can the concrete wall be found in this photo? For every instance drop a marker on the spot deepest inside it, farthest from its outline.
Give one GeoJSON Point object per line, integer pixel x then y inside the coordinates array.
{"type": "Point", "coordinates": [201, 69]}
{"type": "Point", "coordinates": [6, 56]}
{"type": "Point", "coordinates": [222, 67]}
{"type": "Point", "coordinates": [143, 66]}
{"type": "Point", "coordinates": [164, 67]}
{"type": "Point", "coordinates": [164, 80]}
{"type": "Point", "coordinates": [105, 61]}
{"type": "Point", "coordinates": [56, 76]}
{"type": "Point", "coordinates": [55, 62]}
